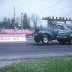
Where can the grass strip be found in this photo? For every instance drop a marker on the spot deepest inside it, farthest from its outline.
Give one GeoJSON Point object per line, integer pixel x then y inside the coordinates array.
{"type": "Point", "coordinates": [51, 64]}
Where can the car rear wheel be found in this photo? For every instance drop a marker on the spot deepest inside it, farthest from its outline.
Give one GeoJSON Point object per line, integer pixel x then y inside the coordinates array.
{"type": "Point", "coordinates": [45, 39]}
{"type": "Point", "coordinates": [70, 41]}
{"type": "Point", "coordinates": [61, 42]}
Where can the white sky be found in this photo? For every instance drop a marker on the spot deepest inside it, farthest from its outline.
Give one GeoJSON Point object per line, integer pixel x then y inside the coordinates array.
{"type": "Point", "coordinates": [40, 7]}
{"type": "Point", "coordinates": [43, 8]}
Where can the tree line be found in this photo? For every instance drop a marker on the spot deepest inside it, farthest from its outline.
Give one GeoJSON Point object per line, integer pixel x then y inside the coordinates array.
{"type": "Point", "coordinates": [23, 23]}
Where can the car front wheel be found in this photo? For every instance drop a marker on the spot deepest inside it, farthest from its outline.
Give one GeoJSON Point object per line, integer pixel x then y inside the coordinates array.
{"type": "Point", "coordinates": [45, 39]}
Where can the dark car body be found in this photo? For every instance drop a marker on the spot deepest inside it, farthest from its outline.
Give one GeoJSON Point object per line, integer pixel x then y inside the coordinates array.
{"type": "Point", "coordinates": [65, 35]}
{"type": "Point", "coordinates": [60, 34]}
{"type": "Point", "coordinates": [40, 32]}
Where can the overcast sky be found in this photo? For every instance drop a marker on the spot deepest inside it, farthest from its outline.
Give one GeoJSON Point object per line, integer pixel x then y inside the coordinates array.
{"type": "Point", "coordinates": [43, 8]}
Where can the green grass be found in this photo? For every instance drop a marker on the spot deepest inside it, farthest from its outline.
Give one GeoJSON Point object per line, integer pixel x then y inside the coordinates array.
{"type": "Point", "coordinates": [51, 64]}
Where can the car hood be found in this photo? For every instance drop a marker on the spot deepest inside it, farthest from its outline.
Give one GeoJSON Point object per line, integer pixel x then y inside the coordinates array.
{"type": "Point", "coordinates": [64, 31]}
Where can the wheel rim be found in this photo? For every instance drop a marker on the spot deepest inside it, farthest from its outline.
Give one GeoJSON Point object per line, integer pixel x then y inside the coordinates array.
{"type": "Point", "coordinates": [45, 39]}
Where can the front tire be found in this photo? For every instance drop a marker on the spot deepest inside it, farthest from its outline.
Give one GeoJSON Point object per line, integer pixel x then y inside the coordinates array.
{"type": "Point", "coordinates": [45, 39]}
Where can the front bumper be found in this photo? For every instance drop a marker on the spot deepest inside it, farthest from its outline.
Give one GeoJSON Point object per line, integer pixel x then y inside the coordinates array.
{"type": "Point", "coordinates": [64, 38]}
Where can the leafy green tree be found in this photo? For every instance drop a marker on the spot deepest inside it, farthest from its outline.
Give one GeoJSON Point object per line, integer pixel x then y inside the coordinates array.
{"type": "Point", "coordinates": [1, 26]}
{"type": "Point", "coordinates": [26, 22]}
{"type": "Point", "coordinates": [7, 23]}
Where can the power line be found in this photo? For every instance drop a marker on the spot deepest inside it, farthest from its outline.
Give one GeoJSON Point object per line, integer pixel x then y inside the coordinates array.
{"type": "Point", "coordinates": [68, 13]}
{"type": "Point", "coordinates": [51, 5]}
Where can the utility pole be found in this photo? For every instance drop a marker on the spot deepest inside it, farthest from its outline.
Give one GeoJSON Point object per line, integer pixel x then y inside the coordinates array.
{"type": "Point", "coordinates": [21, 21]}
{"type": "Point", "coordinates": [14, 15]}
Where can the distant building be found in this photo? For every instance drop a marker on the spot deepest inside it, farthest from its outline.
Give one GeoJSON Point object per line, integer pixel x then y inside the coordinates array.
{"type": "Point", "coordinates": [52, 21]}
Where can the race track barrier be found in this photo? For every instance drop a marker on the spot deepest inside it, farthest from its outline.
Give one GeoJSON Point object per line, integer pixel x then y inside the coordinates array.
{"type": "Point", "coordinates": [12, 37]}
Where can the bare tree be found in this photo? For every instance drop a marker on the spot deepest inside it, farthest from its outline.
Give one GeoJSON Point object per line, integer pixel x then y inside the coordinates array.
{"type": "Point", "coordinates": [35, 18]}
